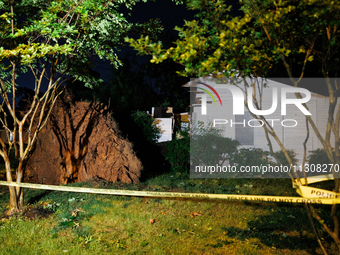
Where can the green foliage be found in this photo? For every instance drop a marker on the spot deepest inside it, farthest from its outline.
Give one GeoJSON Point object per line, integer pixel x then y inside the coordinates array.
{"type": "Point", "coordinates": [179, 152]}
{"type": "Point", "coordinates": [283, 160]}
{"type": "Point", "coordinates": [209, 146]}
{"type": "Point", "coordinates": [318, 156]}
{"type": "Point", "coordinates": [203, 145]}
{"type": "Point", "coordinates": [144, 243]}
{"type": "Point", "coordinates": [251, 157]}
{"type": "Point", "coordinates": [84, 231]}
{"type": "Point", "coordinates": [219, 43]}
{"type": "Point", "coordinates": [211, 44]}
{"type": "Point", "coordinates": [147, 124]}
{"type": "Point", "coordinates": [64, 31]}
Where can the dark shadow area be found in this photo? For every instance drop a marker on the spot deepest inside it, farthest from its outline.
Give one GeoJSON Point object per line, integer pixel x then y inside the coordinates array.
{"type": "Point", "coordinates": [137, 87]}
{"type": "Point", "coordinates": [35, 199]}
{"type": "Point", "coordinates": [149, 153]}
{"type": "Point", "coordinates": [282, 228]}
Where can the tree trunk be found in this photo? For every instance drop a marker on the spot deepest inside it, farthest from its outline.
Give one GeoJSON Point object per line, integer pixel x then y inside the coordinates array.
{"type": "Point", "coordinates": [13, 206]}
{"type": "Point", "coordinates": [16, 193]}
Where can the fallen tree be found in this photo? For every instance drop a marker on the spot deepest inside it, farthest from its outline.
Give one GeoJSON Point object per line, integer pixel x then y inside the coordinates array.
{"type": "Point", "coordinates": [44, 42]}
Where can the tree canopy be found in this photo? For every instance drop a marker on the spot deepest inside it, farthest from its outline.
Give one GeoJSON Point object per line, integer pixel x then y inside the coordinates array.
{"type": "Point", "coordinates": [48, 42]}
{"type": "Point", "coordinates": [301, 36]}
{"type": "Point", "coordinates": [217, 41]}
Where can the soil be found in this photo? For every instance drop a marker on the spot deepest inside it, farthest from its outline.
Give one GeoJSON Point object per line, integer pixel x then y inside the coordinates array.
{"type": "Point", "coordinates": [80, 142]}
{"type": "Point", "coordinates": [30, 212]}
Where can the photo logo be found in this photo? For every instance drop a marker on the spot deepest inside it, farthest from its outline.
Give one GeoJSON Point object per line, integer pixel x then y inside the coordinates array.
{"type": "Point", "coordinates": [238, 99]}
{"type": "Point", "coordinates": [208, 92]}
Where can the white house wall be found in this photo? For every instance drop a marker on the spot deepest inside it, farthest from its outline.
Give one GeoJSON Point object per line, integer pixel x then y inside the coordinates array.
{"type": "Point", "coordinates": [165, 125]}
{"type": "Point", "coordinates": [291, 137]}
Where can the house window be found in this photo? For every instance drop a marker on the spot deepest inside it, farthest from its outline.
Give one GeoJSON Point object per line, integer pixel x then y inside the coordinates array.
{"type": "Point", "coordinates": [244, 134]}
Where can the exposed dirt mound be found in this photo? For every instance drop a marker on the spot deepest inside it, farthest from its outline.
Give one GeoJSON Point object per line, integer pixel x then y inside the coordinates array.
{"type": "Point", "coordinates": [81, 141]}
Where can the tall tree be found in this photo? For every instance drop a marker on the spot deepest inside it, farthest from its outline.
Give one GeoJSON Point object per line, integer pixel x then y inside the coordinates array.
{"type": "Point", "coordinates": [295, 33]}
{"type": "Point", "coordinates": [45, 42]}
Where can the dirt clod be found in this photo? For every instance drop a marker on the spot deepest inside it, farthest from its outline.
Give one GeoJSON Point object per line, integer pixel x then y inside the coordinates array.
{"type": "Point", "coordinates": [80, 142]}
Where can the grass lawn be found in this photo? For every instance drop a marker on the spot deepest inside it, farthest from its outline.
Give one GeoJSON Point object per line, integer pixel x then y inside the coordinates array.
{"type": "Point", "coordinates": [78, 223]}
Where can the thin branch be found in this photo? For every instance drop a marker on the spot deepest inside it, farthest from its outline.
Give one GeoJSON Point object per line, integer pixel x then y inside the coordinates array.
{"type": "Point", "coordinates": [305, 151]}
{"type": "Point", "coordinates": [328, 230]}
{"type": "Point", "coordinates": [94, 16]}
{"type": "Point", "coordinates": [315, 231]}
{"type": "Point", "coordinates": [66, 15]}
{"type": "Point", "coordinates": [264, 27]}
{"type": "Point", "coordinates": [309, 51]}
{"type": "Point", "coordinates": [12, 18]}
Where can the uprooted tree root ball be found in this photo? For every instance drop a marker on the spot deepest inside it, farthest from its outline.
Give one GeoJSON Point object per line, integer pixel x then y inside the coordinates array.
{"type": "Point", "coordinates": [81, 141]}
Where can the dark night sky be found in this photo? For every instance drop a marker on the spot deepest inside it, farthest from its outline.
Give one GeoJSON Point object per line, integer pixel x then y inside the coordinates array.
{"type": "Point", "coordinates": [167, 11]}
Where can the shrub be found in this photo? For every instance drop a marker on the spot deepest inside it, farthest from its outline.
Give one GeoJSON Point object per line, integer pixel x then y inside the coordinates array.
{"type": "Point", "coordinates": [209, 147]}
{"type": "Point", "coordinates": [251, 157]}
{"type": "Point", "coordinates": [283, 160]}
{"type": "Point", "coordinates": [179, 152]}
{"type": "Point", "coordinates": [204, 144]}
{"type": "Point", "coordinates": [212, 149]}
{"type": "Point", "coordinates": [147, 124]}
{"type": "Point", "coordinates": [318, 156]}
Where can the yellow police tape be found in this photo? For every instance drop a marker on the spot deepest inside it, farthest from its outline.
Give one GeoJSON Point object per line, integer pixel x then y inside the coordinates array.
{"type": "Point", "coordinates": [308, 194]}
{"type": "Point", "coordinates": [315, 193]}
